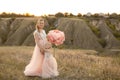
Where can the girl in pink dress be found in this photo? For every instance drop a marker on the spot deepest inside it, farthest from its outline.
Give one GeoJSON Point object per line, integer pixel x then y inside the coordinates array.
{"type": "Point", "coordinates": [42, 63]}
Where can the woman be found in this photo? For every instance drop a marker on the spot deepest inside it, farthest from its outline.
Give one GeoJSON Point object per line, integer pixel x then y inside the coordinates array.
{"type": "Point", "coordinates": [42, 63]}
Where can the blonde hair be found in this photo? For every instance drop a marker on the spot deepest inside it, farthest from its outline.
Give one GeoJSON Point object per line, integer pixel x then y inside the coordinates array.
{"type": "Point", "coordinates": [38, 22]}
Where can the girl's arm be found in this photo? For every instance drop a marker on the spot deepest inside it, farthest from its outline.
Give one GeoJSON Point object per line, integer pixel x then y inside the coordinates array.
{"type": "Point", "coordinates": [48, 45]}
{"type": "Point", "coordinates": [38, 41]}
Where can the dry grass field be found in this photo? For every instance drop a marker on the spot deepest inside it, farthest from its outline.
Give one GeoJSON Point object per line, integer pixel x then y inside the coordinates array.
{"type": "Point", "coordinates": [73, 64]}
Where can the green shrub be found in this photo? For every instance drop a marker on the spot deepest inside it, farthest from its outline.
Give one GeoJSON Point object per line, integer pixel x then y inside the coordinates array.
{"type": "Point", "coordinates": [116, 34]}
{"type": "Point", "coordinates": [118, 38]}
{"type": "Point", "coordinates": [102, 42]}
{"type": "Point", "coordinates": [110, 25]}
{"type": "Point", "coordinates": [95, 30]}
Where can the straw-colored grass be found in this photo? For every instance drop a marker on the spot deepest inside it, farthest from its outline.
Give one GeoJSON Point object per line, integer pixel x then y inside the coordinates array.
{"type": "Point", "coordinates": [74, 64]}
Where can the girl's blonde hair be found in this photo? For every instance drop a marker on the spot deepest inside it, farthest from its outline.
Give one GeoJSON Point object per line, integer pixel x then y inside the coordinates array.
{"type": "Point", "coordinates": [38, 22]}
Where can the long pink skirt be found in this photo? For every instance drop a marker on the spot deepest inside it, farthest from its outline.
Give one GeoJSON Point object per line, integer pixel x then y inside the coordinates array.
{"type": "Point", "coordinates": [43, 65]}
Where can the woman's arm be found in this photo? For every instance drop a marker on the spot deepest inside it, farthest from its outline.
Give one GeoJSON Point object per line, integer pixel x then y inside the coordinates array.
{"type": "Point", "coordinates": [48, 45]}
{"type": "Point", "coordinates": [38, 41]}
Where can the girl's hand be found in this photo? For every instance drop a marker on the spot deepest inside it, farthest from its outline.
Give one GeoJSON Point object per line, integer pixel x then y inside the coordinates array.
{"type": "Point", "coordinates": [48, 45]}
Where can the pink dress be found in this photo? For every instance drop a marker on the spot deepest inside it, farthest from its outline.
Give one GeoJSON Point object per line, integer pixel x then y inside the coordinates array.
{"type": "Point", "coordinates": [42, 63]}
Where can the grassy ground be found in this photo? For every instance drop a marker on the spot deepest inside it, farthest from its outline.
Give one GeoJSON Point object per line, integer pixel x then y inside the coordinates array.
{"type": "Point", "coordinates": [72, 64]}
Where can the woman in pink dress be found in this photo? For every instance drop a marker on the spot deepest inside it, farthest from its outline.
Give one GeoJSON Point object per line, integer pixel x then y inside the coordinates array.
{"type": "Point", "coordinates": [42, 63]}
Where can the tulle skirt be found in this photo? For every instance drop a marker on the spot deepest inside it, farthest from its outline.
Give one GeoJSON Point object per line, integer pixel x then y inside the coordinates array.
{"type": "Point", "coordinates": [43, 65]}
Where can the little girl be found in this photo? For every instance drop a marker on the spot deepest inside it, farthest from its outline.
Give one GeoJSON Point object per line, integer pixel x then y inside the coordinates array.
{"type": "Point", "coordinates": [42, 63]}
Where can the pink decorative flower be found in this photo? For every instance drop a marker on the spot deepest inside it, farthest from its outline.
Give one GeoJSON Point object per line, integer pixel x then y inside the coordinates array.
{"type": "Point", "coordinates": [56, 37]}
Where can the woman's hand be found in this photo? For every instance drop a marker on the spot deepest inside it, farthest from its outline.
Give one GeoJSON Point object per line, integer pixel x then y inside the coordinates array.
{"type": "Point", "coordinates": [48, 45]}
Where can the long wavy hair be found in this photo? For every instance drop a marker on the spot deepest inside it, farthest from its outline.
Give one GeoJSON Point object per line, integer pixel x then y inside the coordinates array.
{"type": "Point", "coordinates": [38, 22]}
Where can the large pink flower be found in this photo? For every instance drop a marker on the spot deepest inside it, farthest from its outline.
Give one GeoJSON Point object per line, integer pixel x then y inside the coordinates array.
{"type": "Point", "coordinates": [56, 37]}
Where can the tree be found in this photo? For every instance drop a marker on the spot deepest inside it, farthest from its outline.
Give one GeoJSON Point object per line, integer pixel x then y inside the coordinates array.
{"type": "Point", "coordinates": [66, 14]}
{"type": "Point", "coordinates": [71, 15]}
{"type": "Point", "coordinates": [113, 15]}
{"type": "Point", "coordinates": [59, 14]}
{"type": "Point", "coordinates": [79, 15]}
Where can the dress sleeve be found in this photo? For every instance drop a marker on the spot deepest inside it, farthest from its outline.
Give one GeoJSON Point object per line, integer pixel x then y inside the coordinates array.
{"type": "Point", "coordinates": [48, 45]}
{"type": "Point", "coordinates": [38, 41]}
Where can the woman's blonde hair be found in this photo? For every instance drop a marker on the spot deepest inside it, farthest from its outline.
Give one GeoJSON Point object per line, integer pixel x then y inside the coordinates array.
{"type": "Point", "coordinates": [38, 22]}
